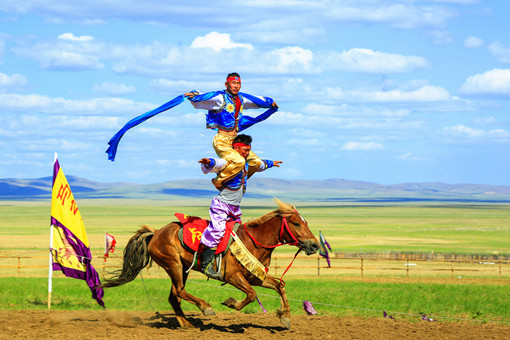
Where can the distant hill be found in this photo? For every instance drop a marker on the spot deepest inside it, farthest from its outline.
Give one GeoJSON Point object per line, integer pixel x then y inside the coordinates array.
{"type": "Point", "coordinates": [330, 190]}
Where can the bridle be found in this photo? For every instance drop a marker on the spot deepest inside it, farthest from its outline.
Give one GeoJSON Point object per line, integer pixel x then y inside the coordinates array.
{"type": "Point", "coordinates": [281, 242]}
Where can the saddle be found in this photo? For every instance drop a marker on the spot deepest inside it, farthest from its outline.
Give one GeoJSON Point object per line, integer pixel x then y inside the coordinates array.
{"type": "Point", "coordinates": [191, 233]}
{"type": "Point", "coordinates": [192, 229]}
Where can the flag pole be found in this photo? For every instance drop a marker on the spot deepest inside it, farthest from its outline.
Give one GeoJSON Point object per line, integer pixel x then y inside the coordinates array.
{"type": "Point", "coordinates": [105, 252]}
{"type": "Point", "coordinates": [50, 264]}
{"type": "Point", "coordinates": [50, 268]}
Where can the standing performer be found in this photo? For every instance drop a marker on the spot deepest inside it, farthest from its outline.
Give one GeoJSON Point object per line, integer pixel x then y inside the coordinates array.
{"type": "Point", "coordinates": [225, 113]}
{"type": "Point", "coordinates": [226, 205]}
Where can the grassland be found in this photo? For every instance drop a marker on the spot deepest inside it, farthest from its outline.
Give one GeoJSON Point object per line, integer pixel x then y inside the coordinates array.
{"type": "Point", "coordinates": [403, 300]}
{"type": "Point", "coordinates": [442, 228]}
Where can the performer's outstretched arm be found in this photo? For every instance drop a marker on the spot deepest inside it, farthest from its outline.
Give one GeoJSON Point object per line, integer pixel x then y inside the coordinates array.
{"type": "Point", "coordinates": [212, 165]}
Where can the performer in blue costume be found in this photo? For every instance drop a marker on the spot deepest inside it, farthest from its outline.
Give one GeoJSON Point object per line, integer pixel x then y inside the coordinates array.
{"type": "Point", "coordinates": [225, 113]}
{"type": "Point", "coordinates": [226, 205]}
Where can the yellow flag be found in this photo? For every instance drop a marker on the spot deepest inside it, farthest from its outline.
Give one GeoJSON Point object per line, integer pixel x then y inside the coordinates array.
{"type": "Point", "coordinates": [70, 248]}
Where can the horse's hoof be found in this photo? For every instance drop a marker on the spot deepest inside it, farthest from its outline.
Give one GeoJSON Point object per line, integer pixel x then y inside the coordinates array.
{"type": "Point", "coordinates": [285, 322]}
{"type": "Point", "coordinates": [209, 311]}
{"type": "Point", "coordinates": [229, 302]}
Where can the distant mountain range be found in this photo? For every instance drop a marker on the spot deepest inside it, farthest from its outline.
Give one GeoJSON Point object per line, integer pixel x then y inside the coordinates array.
{"type": "Point", "coordinates": [330, 190]}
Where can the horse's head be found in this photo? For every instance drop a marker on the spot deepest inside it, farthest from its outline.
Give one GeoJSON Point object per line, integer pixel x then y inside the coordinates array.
{"type": "Point", "coordinates": [297, 230]}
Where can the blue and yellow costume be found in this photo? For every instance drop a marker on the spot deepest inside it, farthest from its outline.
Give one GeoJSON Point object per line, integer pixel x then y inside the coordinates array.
{"type": "Point", "coordinates": [225, 113]}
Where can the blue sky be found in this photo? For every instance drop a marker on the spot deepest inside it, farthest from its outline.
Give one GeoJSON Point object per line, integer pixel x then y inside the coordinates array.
{"type": "Point", "coordinates": [371, 90]}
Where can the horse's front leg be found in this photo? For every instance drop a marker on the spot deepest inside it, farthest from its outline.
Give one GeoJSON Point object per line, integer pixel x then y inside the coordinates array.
{"type": "Point", "coordinates": [284, 311]}
{"type": "Point", "coordinates": [238, 281]}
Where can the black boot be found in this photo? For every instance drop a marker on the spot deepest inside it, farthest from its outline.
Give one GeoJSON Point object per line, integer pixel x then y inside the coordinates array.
{"type": "Point", "coordinates": [206, 262]}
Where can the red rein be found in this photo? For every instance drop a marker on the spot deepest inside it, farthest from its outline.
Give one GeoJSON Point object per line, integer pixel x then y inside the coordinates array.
{"type": "Point", "coordinates": [295, 242]}
{"type": "Point", "coordinates": [284, 227]}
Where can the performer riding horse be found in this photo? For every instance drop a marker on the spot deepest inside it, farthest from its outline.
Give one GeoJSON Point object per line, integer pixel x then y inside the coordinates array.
{"type": "Point", "coordinates": [282, 226]}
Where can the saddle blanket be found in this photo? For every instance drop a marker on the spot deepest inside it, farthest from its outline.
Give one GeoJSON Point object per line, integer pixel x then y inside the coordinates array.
{"type": "Point", "coordinates": [193, 227]}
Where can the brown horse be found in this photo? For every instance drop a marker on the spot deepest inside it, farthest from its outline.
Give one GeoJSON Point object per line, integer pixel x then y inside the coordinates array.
{"type": "Point", "coordinates": [282, 226]}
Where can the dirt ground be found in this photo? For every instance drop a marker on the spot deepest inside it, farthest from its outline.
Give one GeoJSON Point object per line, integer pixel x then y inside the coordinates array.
{"type": "Point", "coordinates": [37, 324]}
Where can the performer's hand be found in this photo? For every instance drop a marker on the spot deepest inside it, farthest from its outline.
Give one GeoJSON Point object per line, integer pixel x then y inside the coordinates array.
{"type": "Point", "coordinates": [274, 105]}
{"type": "Point", "coordinates": [189, 95]}
{"type": "Point", "coordinates": [277, 163]}
{"type": "Point", "coordinates": [205, 161]}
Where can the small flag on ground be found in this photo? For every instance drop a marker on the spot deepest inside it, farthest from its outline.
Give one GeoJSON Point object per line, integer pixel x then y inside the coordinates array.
{"type": "Point", "coordinates": [426, 318]}
{"type": "Point", "coordinates": [69, 245]}
{"type": "Point", "coordinates": [387, 316]}
{"type": "Point", "coordinates": [307, 306]}
{"type": "Point", "coordinates": [109, 246]}
{"type": "Point", "coordinates": [324, 248]}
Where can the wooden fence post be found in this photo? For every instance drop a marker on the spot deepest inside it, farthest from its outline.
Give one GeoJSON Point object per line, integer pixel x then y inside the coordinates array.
{"type": "Point", "coordinates": [318, 266]}
{"type": "Point", "coordinates": [19, 265]}
{"type": "Point", "coordinates": [275, 266]}
{"type": "Point", "coordinates": [500, 269]}
{"type": "Point", "coordinates": [407, 267]}
{"type": "Point", "coordinates": [361, 266]}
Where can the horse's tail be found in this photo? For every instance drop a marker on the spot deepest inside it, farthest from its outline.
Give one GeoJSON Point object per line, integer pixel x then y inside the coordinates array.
{"type": "Point", "coordinates": [136, 258]}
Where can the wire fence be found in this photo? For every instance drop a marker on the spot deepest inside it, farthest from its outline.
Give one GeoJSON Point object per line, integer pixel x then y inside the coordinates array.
{"type": "Point", "coordinates": [340, 264]}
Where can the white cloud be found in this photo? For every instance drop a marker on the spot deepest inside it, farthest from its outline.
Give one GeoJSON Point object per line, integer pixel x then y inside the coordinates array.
{"type": "Point", "coordinates": [65, 60]}
{"type": "Point", "coordinates": [485, 121]}
{"type": "Point", "coordinates": [63, 55]}
{"type": "Point", "coordinates": [289, 58]}
{"type": "Point", "coordinates": [318, 14]}
{"type": "Point", "coordinates": [459, 2]}
{"type": "Point", "coordinates": [368, 61]}
{"type": "Point", "coordinates": [362, 146]}
{"type": "Point", "coordinates": [218, 41]}
{"type": "Point", "coordinates": [45, 104]}
{"type": "Point", "coordinates": [465, 131]}
{"type": "Point", "coordinates": [500, 52]}
{"type": "Point", "coordinates": [171, 87]}
{"type": "Point", "coordinates": [114, 89]}
{"type": "Point", "coordinates": [426, 93]}
{"type": "Point", "coordinates": [399, 15]}
{"type": "Point", "coordinates": [15, 80]}
{"type": "Point", "coordinates": [410, 156]}
{"type": "Point", "coordinates": [72, 37]}
{"type": "Point", "coordinates": [493, 82]}
{"type": "Point", "coordinates": [441, 37]}
{"type": "Point", "coordinates": [473, 42]}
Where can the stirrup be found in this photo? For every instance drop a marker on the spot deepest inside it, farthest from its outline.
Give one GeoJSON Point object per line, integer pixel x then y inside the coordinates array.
{"type": "Point", "coordinates": [210, 273]}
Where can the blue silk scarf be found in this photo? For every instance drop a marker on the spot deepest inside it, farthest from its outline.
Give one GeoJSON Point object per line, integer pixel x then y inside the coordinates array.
{"type": "Point", "coordinates": [246, 121]}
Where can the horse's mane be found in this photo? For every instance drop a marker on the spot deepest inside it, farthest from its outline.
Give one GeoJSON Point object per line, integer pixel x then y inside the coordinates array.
{"type": "Point", "coordinates": [283, 209]}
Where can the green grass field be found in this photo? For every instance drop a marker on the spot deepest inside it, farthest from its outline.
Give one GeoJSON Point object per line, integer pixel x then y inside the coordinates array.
{"type": "Point", "coordinates": [438, 227]}
{"type": "Point", "coordinates": [406, 300]}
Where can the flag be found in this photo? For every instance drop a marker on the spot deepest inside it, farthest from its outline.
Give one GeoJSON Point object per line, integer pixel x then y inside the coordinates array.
{"type": "Point", "coordinates": [110, 243]}
{"type": "Point", "coordinates": [70, 250]}
{"type": "Point", "coordinates": [324, 248]}
{"type": "Point", "coordinates": [307, 306]}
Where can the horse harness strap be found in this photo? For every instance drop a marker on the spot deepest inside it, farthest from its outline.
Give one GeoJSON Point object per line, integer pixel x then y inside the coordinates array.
{"type": "Point", "coordinates": [282, 283]}
{"type": "Point", "coordinates": [285, 227]}
{"type": "Point", "coordinates": [295, 242]}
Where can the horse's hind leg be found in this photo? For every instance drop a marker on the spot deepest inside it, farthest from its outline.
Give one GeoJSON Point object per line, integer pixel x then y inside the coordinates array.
{"type": "Point", "coordinates": [175, 302]}
{"type": "Point", "coordinates": [284, 311]}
